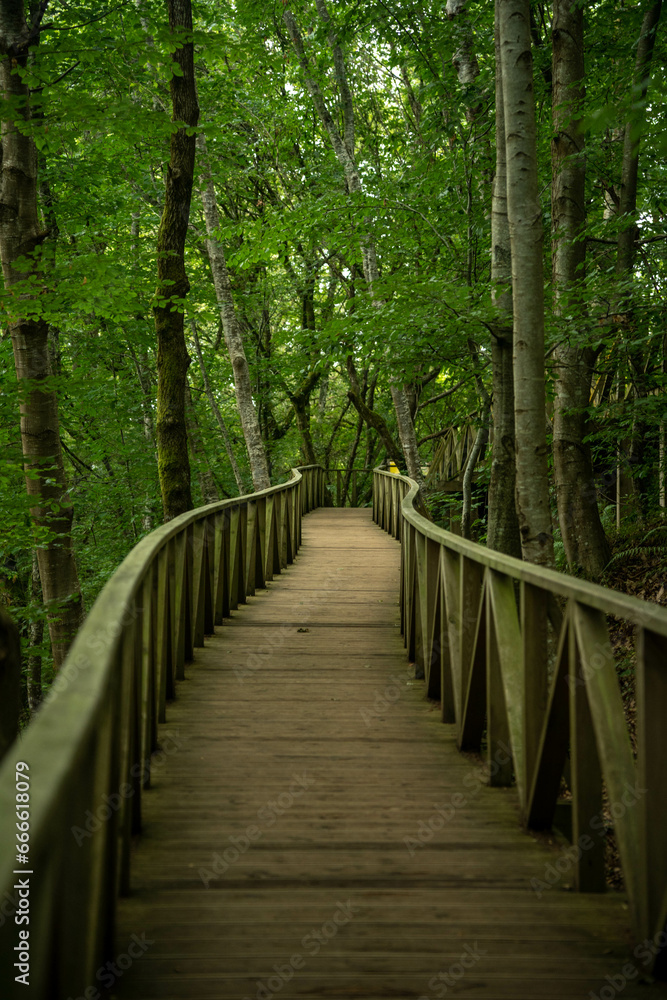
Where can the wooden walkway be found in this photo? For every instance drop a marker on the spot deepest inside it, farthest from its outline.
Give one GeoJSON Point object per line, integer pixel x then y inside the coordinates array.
{"type": "Point", "coordinates": [312, 830]}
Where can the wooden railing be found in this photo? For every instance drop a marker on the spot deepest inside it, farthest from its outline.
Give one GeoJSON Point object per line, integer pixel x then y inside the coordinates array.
{"type": "Point", "coordinates": [335, 478]}
{"type": "Point", "coordinates": [522, 656]}
{"type": "Point", "coordinates": [86, 758]}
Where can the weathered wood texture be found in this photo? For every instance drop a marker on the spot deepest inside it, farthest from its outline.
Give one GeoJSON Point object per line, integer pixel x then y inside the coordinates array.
{"type": "Point", "coordinates": [478, 624]}
{"type": "Point", "coordinates": [312, 831]}
{"type": "Point", "coordinates": [90, 748]}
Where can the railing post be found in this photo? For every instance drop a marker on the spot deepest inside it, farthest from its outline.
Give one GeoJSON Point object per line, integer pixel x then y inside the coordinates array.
{"type": "Point", "coordinates": [651, 695]}
{"type": "Point", "coordinates": [585, 779]}
{"type": "Point", "coordinates": [470, 582]}
{"type": "Point", "coordinates": [534, 638]}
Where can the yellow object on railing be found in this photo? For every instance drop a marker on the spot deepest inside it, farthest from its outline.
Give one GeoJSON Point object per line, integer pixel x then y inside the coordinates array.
{"type": "Point", "coordinates": [393, 468]}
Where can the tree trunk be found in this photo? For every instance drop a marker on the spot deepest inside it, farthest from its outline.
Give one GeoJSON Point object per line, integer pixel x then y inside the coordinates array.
{"type": "Point", "coordinates": [301, 407]}
{"type": "Point", "coordinates": [476, 451]}
{"type": "Point", "coordinates": [630, 477]}
{"type": "Point", "coordinates": [213, 403]}
{"type": "Point", "coordinates": [20, 237]}
{"type": "Point", "coordinates": [36, 639]}
{"type": "Point", "coordinates": [207, 486]}
{"type": "Point", "coordinates": [464, 58]}
{"type": "Point", "coordinates": [173, 284]}
{"type": "Point", "coordinates": [10, 681]}
{"type": "Point", "coordinates": [350, 462]}
{"type": "Point", "coordinates": [662, 438]}
{"type": "Point", "coordinates": [525, 221]}
{"type": "Point", "coordinates": [233, 339]}
{"type": "Point", "coordinates": [344, 147]}
{"type": "Point", "coordinates": [581, 529]}
{"type": "Point", "coordinates": [373, 419]}
{"type": "Point", "coordinates": [503, 527]}
{"type": "Point", "coordinates": [627, 238]}
{"type": "Point", "coordinates": [144, 379]}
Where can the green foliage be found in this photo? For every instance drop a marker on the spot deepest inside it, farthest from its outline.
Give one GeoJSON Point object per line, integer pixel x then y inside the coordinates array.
{"type": "Point", "coordinates": [293, 234]}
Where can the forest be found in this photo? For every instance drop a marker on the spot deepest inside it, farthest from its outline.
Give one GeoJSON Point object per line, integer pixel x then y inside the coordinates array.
{"type": "Point", "coordinates": [239, 237]}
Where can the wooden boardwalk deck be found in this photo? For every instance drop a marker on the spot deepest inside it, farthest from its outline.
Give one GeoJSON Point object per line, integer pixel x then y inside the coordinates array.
{"type": "Point", "coordinates": [274, 859]}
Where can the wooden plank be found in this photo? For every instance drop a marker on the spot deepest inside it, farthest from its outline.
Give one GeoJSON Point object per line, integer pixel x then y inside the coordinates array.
{"type": "Point", "coordinates": [470, 600]}
{"type": "Point", "coordinates": [78, 753]}
{"type": "Point", "coordinates": [554, 740]}
{"type": "Point", "coordinates": [394, 819]}
{"type": "Point", "coordinates": [498, 735]}
{"type": "Point", "coordinates": [643, 613]}
{"type": "Point", "coordinates": [450, 584]}
{"type": "Point", "coordinates": [613, 744]}
{"type": "Point", "coordinates": [585, 777]}
{"type": "Point", "coordinates": [535, 654]}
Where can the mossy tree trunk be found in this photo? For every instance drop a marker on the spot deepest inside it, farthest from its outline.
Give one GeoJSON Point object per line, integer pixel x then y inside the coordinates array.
{"type": "Point", "coordinates": [583, 535]}
{"type": "Point", "coordinates": [173, 284]}
{"type": "Point", "coordinates": [525, 223]}
{"type": "Point", "coordinates": [21, 237]}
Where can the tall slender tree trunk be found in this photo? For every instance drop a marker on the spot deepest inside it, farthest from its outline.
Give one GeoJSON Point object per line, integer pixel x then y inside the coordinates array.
{"type": "Point", "coordinates": [233, 338]}
{"type": "Point", "coordinates": [373, 419]}
{"type": "Point", "coordinates": [207, 486]}
{"type": "Point", "coordinates": [477, 451]}
{"type": "Point", "coordinates": [662, 438]}
{"type": "Point", "coordinates": [343, 144]}
{"type": "Point", "coordinates": [144, 379]}
{"type": "Point", "coordinates": [503, 527]}
{"type": "Point", "coordinates": [20, 236]}
{"type": "Point", "coordinates": [525, 221]}
{"type": "Point", "coordinates": [10, 681]}
{"type": "Point", "coordinates": [301, 411]}
{"type": "Point", "coordinates": [629, 472]}
{"type": "Point", "coordinates": [215, 409]}
{"type": "Point", "coordinates": [581, 529]}
{"type": "Point", "coordinates": [36, 639]}
{"type": "Point", "coordinates": [173, 284]}
{"type": "Point", "coordinates": [627, 238]}
{"type": "Point", "coordinates": [350, 462]}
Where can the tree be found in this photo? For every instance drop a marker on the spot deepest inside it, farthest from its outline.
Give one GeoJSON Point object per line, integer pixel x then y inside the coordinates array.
{"type": "Point", "coordinates": [525, 224]}
{"type": "Point", "coordinates": [233, 337]}
{"type": "Point", "coordinates": [173, 284]}
{"type": "Point", "coordinates": [586, 546]}
{"type": "Point", "coordinates": [343, 144]}
{"type": "Point", "coordinates": [22, 240]}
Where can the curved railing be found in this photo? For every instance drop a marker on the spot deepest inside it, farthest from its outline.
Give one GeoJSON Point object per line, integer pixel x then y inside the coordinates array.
{"type": "Point", "coordinates": [523, 654]}
{"type": "Point", "coordinates": [86, 759]}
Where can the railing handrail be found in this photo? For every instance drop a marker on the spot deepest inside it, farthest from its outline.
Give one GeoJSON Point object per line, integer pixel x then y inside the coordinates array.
{"type": "Point", "coordinates": [98, 722]}
{"type": "Point", "coordinates": [614, 602]}
{"type": "Point", "coordinates": [485, 655]}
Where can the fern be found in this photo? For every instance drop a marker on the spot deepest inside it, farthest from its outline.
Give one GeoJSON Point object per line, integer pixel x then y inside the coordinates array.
{"type": "Point", "coordinates": [653, 531]}
{"type": "Point", "coordinates": [638, 550]}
